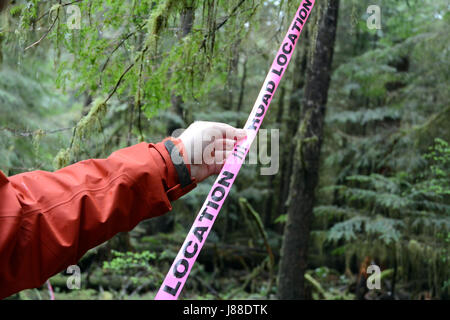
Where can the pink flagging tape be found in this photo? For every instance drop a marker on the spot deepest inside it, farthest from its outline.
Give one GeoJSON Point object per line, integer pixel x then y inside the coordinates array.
{"type": "Point", "coordinates": [186, 257]}
{"type": "Point", "coordinates": [50, 290]}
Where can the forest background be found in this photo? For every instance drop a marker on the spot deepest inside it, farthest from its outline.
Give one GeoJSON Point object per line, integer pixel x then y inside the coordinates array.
{"type": "Point", "coordinates": [364, 124]}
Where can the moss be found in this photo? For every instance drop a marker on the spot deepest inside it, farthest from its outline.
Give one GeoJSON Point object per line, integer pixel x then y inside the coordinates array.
{"type": "Point", "coordinates": [37, 137]}
{"type": "Point", "coordinates": [313, 28]}
{"type": "Point", "coordinates": [62, 159]}
{"type": "Point", "coordinates": [89, 124]}
{"type": "Point", "coordinates": [89, 294]}
{"type": "Point", "coordinates": [92, 120]}
{"type": "Point", "coordinates": [157, 22]}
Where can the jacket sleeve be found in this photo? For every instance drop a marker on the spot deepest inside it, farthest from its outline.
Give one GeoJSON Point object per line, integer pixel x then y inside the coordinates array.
{"type": "Point", "coordinates": [49, 220]}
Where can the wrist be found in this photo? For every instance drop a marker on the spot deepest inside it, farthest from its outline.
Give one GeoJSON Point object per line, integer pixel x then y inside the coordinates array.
{"type": "Point", "coordinates": [182, 151]}
{"type": "Point", "coordinates": [175, 182]}
{"type": "Point", "coordinates": [178, 155]}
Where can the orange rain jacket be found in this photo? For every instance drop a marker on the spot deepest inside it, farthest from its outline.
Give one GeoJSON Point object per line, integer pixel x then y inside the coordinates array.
{"type": "Point", "coordinates": [49, 220]}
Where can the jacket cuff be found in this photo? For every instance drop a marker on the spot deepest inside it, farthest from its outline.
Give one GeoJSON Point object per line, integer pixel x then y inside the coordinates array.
{"type": "Point", "coordinates": [177, 171]}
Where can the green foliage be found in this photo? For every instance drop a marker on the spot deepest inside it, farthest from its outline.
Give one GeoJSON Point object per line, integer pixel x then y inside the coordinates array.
{"type": "Point", "coordinates": [126, 262]}
{"type": "Point", "coordinates": [137, 57]}
{"type": "Point", "coordinates": [411, 213]}
{"type": "Point", "coordinates": [385, 173]}
{"type": "Point", "coordinates": [26, 98]}
{"type": "Point", "coordinates": [282, 218]}
{"type": "Point", "coordinates": [437, 182]}
{"type": "Point", "coordinates": [326, 283]}
{"type": "Point", "coordinates": [136, 271]}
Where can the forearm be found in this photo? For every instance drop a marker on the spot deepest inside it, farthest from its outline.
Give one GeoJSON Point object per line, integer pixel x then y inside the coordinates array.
{"type": "Point", "coordinates": [51, 219]}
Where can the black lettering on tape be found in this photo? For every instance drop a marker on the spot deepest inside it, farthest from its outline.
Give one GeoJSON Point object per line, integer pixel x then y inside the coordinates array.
{"type": "Point", "coordinates": [218, 190]}
{"type": "Point", "coordinates": [188, 254]}
{"type": "Point", "coordinates": [296, 27]}
{"type": "Point", "coordinates": [239, 151]}
{"type": "Point", "coordinates": [282, 60]}
{"type": "Point", "coordinates": [260, 111]}
{"type": "Point", "coordinates": [206, 214]}
{"type": "Point", "coordinates": [287, 51]}
{"type": "Point", "coordinates": [278, 72]}
{"type": "Point", "coordinates": [226, 176]}
{"type": "Point", "coordinates": [213, 205]}
{"type": "Point", "coordinates": [266, 99]}
{"type": "Point", "coordinates": [172, 291]}
{"type": "Point", "coordinates": [303, 14]}
{"type": "Point", "coordinates": [254, 122]}
{"type": "Point", "coordinates": [237, 156]}
{"type": "Point", "coordinates": [271, 86]}
{"type": "Point", "coordinates": [293, 39]}
{"type": "Point", "coordinates": [307, 5]}
{"type": "Point", "coordinates": [199, 231]}
{"type": "Point", "coordinates": [185, 265]}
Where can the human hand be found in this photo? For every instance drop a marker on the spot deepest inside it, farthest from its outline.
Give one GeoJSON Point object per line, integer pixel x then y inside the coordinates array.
{"type": "Point", "coordinates": [207, 145]}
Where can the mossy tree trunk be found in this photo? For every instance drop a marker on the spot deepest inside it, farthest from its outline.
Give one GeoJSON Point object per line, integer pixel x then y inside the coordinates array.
{"type": "Point", "coordinates": [291, 122]}
{"type": "Point", "coordinates": [305, 165]}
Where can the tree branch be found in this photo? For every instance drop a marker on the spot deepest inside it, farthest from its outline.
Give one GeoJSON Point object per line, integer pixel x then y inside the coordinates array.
{"type": "Point", "coordinates": [119, 81]}
{"type": "Point", "coordinates": [233, 12]}
{"type": "Point", "coordinates": [62, 5]}
{"type": "Point", "coordinates": [220, 25]}
{"type": "Point", "coordinates": [45, 34]}
{"type": "Point", "coordinates": [31, 133]}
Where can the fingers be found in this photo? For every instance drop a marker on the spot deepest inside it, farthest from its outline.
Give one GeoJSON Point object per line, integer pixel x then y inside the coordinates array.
{"type": "Point", "coordinates": [217, 168]}
{"type": "Point", "coordinates": [224, 144]}
{"type": "Point", "coordinates": [215, 156]}
{"type": "Point", "coordinates": [223, 130]}
{"type": "Point", "coordinates": [221, 156]}
{"type": "Point", "coordinates": [230, 132]}
{"type": "Point", "coordinates": [217, 151]}
{"type": "Point", "coordinates": [222, 149]}
{"type": "Point", "coordinates": [208, 144]}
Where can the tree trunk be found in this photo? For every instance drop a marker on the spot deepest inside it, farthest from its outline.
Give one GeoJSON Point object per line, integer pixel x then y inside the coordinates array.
{"type": "Point", "coordinates": [271, 201]}
{"type": "Point", "coordinates": [308, 141]}
{"type": "Point", "coordinates": [232, 72]}
{"type": "Point", "coordinates": [292, 121]}
{"type": "Point", "coordinates": [239, 123]}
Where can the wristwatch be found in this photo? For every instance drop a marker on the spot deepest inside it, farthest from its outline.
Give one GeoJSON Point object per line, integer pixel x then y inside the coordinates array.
{"type": "Point", "coordinates": [180, 161]}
